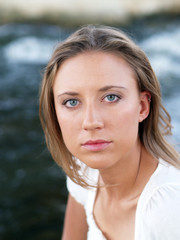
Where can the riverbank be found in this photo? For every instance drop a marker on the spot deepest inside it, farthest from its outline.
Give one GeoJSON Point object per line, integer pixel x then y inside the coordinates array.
{"type": "Point", "coordinates": [76, 12]}
{"type": "Point", "coordinates": [33, 188]}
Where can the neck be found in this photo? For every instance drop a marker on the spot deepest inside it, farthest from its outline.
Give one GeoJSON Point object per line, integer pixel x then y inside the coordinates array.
{"type": "Point", "coordinates": [121, 180]}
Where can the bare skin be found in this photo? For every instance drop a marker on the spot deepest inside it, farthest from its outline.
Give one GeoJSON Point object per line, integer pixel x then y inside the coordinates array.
{"type": "Point", "coordinates": [114, 211]}
{"type": "Point", "coordinates": [114, 215]}
{"type": "Point", "coordinates": [75, 225]}
{"type": "Point", "coordinates": [96, 98]}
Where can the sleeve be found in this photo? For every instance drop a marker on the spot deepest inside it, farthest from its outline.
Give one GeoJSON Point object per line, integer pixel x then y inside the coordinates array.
{"type": "Point", "coordinates": [161, 214]}
{"type": "Point", "coordinates": [79, 193]}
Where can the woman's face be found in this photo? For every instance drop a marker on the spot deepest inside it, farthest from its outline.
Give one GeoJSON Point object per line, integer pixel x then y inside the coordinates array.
{"type": "Point", "coordinates": [99, 108]}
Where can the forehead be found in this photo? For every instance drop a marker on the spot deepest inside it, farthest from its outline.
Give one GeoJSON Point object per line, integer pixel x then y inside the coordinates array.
{"type": "Point", "coordinates": [94, 68]}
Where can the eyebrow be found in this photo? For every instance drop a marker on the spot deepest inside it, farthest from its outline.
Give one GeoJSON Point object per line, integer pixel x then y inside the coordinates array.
{"type": "Point", "coordinates": [68, 93]}
{"type": "Point", "coordinates": [103, 89]}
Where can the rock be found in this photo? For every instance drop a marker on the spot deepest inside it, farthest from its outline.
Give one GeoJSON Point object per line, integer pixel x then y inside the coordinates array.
{"type": "Point", "coordinates": [74, 12]}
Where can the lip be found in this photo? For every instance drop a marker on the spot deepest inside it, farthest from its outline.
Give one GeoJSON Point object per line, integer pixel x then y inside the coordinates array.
{"type": "Point", "coordinates": [96, 145]}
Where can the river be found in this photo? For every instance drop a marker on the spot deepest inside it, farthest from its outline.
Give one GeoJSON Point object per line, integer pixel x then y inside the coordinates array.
{"type": "Point", "coordinates": [33, 192]}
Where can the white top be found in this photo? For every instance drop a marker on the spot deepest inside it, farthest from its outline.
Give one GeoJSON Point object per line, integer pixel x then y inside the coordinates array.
{"type": "Point", "coordinates": [158, 208]}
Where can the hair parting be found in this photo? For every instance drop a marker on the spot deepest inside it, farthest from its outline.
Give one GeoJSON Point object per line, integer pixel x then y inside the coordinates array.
{"type": "Point", "coordinates": [152, 131]}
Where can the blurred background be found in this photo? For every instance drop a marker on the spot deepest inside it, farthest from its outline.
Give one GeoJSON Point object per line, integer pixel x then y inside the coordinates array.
{"type": "Point", "coordinates": [33, 189]}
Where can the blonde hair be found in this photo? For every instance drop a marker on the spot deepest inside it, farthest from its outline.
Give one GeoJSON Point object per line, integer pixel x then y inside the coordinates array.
{"type": "Point", "coordinates": [152, 130]}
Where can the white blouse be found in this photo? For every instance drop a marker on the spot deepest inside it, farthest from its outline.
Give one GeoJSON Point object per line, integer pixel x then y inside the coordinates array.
{"type": "Point", "coordinates": [158, 208]}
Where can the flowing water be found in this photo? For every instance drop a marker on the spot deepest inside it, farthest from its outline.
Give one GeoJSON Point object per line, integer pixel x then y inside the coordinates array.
{"type": "Point", "coordinates": [33, 192]}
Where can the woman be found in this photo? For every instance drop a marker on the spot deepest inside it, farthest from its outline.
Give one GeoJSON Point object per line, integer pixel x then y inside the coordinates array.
{"type": "Point", "coordinates": [104, 123]}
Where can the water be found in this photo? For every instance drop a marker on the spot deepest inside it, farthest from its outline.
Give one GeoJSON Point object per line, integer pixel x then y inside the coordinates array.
{"type": "Point", "coordinates": [33, 192]}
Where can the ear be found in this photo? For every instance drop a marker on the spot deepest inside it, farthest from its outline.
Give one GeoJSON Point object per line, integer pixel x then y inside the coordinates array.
{"type": "Point", "coordinates": [145, 101]}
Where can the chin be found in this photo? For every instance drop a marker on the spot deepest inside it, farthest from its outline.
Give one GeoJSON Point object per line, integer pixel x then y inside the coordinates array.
{"type": "Point", "coordinates": [97, 163]}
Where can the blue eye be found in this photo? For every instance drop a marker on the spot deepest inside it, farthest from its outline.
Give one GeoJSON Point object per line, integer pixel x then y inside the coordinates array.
{"type": "Point", "coordinates": [112, 98]}
{"type": "Point", "coordinates": [71, 103]}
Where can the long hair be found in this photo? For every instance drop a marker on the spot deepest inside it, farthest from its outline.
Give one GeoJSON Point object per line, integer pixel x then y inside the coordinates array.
{"type": "Point", "coordinates": [152, 130]}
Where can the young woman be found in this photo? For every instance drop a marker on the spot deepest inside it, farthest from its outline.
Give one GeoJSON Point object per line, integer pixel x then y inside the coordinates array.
{"type": "Point", "coordinates": [104, 124]}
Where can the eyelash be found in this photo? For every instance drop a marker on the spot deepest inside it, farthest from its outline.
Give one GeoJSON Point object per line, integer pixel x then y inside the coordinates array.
{"type": "Point", "coordinates": [68, 101]}
{"type": "Point", "coordinates": [65, 102]}
{"type": "Point", "coordinates": [117, 98]}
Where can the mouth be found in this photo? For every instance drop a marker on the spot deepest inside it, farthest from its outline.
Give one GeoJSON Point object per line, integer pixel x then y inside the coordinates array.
{"type": "Point", "coordinates": [96, 145]}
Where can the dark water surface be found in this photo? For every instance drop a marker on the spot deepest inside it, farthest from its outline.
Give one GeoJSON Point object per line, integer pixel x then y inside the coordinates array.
{"type": "Point", "coordinates": [33, 192]}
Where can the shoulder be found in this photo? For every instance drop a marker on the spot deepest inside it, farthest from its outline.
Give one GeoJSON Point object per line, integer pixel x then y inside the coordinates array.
{"type": "Point", "coordinates": [166, 177]}
{"type": "Point", "coordinates": [79, 193]}
{"type": "Point", "coordinates": [161, 208]}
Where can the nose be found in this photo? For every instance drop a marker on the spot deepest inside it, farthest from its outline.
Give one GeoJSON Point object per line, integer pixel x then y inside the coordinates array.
{"type": "Point", "coordinates": [92, 118]}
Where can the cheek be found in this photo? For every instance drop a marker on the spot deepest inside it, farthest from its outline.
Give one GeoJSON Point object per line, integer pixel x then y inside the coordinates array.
{"type": "Point", "coordinates": [69, 131]}
{"type": "Point", "coordinates": [128, 120]}
{"type": "Point", "coordinates": [65, 128]}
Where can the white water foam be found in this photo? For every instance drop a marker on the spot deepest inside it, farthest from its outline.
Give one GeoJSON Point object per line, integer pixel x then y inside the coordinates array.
{"type": "Point", "coordinates": [29, 50]}
{"type": "Point", "coordinates": [163, 49]}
